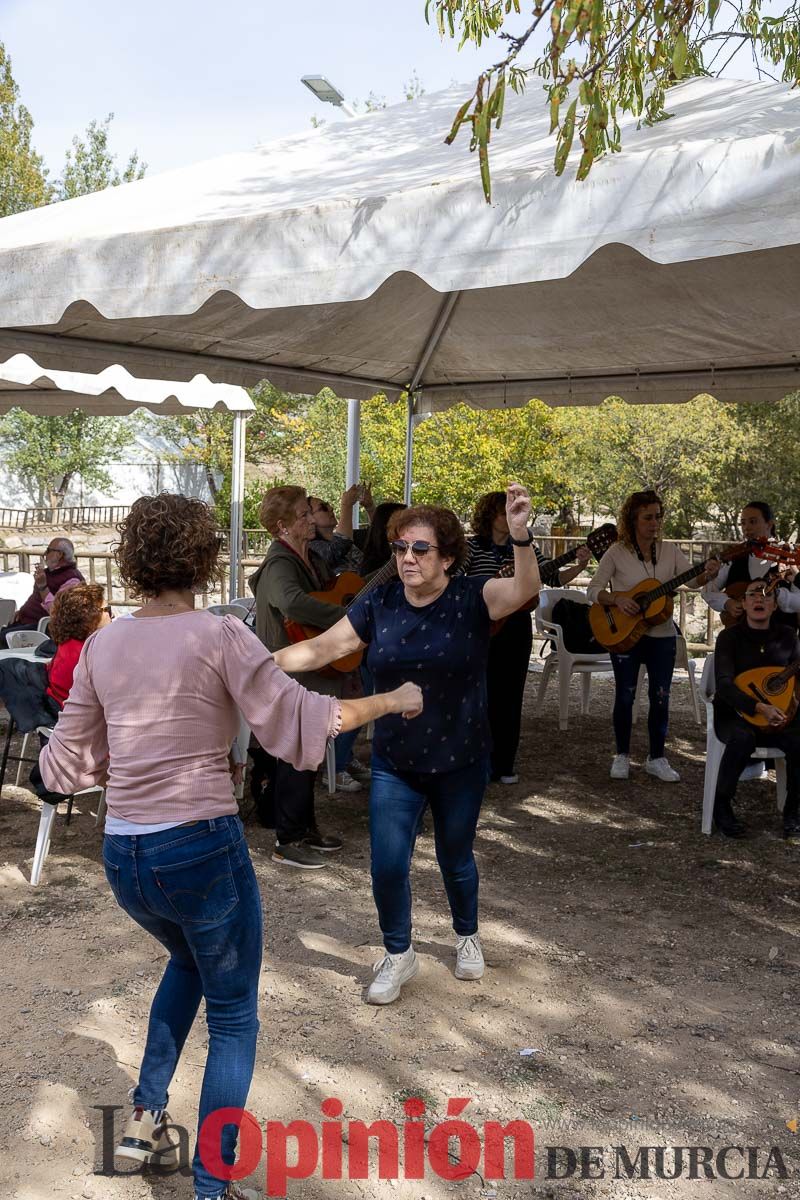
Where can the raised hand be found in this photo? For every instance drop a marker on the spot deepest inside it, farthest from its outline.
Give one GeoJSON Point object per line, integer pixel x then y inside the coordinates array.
{"type": "Point", "coordinates": [518, 510]}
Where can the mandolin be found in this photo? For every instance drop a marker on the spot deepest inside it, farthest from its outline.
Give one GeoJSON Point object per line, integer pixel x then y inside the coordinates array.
{"type": "Point", "coordinates": [620, 631]}
{"type": "Point", "coordinates": [598, 542]}
{"type": "Point", "coordinates": [344, 590]}
{"type": "Point", "coordinates": [771, 685]}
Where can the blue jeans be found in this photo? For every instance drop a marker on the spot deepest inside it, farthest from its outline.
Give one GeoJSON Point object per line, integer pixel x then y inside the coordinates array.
{"type": "Point", "coordinates": [343, 747]}
{"type": "Point", "coordinates": [396, 804]}
{"type": "Point", "coordinates": [194, 889]}
{"type": "Point", "coordinates": [658, 656]}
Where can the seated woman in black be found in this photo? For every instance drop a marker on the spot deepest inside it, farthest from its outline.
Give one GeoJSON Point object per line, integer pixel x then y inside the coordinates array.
{"type": "Point", "coordinates": [756, 641]}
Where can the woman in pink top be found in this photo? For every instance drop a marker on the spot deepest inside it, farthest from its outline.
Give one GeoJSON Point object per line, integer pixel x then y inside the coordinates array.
{"type": "Point", "coordinates": [153, 709]}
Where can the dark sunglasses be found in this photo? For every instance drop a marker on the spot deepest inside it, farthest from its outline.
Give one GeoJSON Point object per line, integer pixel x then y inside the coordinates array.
{"type": "Point", "coordinates": [418, 549]}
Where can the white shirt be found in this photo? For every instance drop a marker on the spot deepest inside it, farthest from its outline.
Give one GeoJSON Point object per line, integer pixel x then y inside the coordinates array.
{"type": "Point", "coordinates": [788, 599]}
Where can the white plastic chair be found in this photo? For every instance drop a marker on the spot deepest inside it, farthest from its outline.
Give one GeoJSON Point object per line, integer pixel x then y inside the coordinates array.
{"type": "Point", "coordinates": [25, 639]}
{"type": "Point", "coordinates": [560, 659]}
{"type": "Point", "coordinates": [248, 602]}
{"type": "Point", "coordinates": [232, 610]}
{"type": "Point", "coordinates": [715, 749]}
{"type": "Point", "coordinates": [330, 766]}
{"type": "Point", "coordinates": [46, 820]}
{"type": "Point", "coordinates": [44, 625]}
{"type": "Point", "coordinates": [683, 662]}
{"type": "Point", "coordinates": [8, 610]}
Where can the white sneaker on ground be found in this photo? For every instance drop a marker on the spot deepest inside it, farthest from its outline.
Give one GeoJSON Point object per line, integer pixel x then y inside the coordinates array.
{"type": "Point", "coordinates": [146, 1139]}
{"type": "Point", "coordinates": [756, 770]}
{"type": "Point", "coordinates": [390, 974]}
{"type": "Point", "coordinates": [662, 770]}
{"type": "Point", "coordinates": [509, 778]}
{"type": "Point", "coordinates": [469, 957]}
{"type": "Point", "coordinates": [621, 766]}
{"type": "Point", "coordinates": [346, 783]}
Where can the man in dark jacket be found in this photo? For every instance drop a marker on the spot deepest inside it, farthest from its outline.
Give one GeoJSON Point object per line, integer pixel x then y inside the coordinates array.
{"type": "Point", "coordinates": [755, 641]}
{"type": "Point", "coordinates": [58, 571]}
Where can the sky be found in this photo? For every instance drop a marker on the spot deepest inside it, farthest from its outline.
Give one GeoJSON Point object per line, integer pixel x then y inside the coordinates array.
{"type": "Point", "coordinates": [190, 80]}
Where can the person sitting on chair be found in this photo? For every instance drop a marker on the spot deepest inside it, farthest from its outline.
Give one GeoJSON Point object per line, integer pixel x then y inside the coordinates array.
{"type": "Point", "coordinates": [57, 571]}
{"type": "Point", "coordinates": [758, 641]}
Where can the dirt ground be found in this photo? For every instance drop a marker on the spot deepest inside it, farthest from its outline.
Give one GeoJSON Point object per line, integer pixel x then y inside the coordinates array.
{"type": "Point", "coordinates": [653, 972]}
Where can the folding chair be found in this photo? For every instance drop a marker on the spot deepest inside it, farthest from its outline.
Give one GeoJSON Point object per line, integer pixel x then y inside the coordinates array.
{"type": "Point", "coordinates": [560, 659]}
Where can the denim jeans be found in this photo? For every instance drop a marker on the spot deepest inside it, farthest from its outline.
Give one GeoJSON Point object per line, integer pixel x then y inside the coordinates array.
{"type": "Point", "coordinates": [396, 804]}
{"type": "Point", "coordinates": [343, 748]}
{"type": "Point", "coordinates": [194, 889]}
{"type": "Point", "coordinates": [658, 656]}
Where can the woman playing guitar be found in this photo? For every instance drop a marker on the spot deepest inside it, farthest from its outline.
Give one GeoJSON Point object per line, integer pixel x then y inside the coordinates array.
{"type": "Point", "coordinates": [490, 549]}
{"type": "Point", "coordinates": [724, 593]}
{"type": "Point", "coordinates": [640, 554]}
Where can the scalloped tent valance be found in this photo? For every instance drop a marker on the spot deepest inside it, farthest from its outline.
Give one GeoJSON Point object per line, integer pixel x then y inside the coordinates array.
{"type": "Point", "coordinates": [362, 255]}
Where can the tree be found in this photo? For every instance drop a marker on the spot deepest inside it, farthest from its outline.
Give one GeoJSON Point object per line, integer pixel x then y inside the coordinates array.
{"type": "Point", "coordinates": [23, 177]}
{"type": "Point", "coordinates": [681, 451]}
{"type": "Point", "coordinates": [90, 165]}
{"type": "Point", "coordinates": [599, 59]}
{"type": "Point", "coordinates": [764, 466]}
{"type": "Point", "coordinates": [46, 453]}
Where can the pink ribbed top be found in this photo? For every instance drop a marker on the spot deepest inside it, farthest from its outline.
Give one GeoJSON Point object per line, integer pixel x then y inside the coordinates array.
{"type": "Point", "coordinates": [156, 699]}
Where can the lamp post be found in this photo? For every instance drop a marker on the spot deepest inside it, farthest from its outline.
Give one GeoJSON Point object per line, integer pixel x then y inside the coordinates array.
{"type": "Point", "coordinates": [328, 93]}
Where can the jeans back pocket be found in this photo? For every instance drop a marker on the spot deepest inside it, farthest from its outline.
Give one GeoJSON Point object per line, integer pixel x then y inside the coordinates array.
{"type": "Point", "coordinates": [201, 891]}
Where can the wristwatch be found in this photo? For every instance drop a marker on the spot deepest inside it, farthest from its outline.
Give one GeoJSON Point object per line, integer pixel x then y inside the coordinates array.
{"type": "Point", "coordinates": [525, 542]}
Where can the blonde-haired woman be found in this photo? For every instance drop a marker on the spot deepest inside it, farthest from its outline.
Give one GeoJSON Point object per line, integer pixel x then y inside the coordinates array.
{"type": "Point", "coordinates": [640, 554]}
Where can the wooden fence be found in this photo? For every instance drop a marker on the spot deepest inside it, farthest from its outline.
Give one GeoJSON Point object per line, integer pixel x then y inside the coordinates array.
{"type": "Point", "coordinates": [62, 518]}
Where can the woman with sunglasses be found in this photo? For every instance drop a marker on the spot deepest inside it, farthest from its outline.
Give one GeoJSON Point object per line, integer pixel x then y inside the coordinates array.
{"type": "Point", "coordinates": [430, 626]}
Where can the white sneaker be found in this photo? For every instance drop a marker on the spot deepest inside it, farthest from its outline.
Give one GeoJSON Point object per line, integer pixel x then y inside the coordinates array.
{"type": "Point", "coordinates": [469, 957]}
{"type": "Point", "coordinates": [509, 778]}
{"type": "Point", "coordinates": [346, 783]}
{"type": "Point", "coordinates": [621, 766]}
{"type": "Point", "coordinates": [146, 1138]}
{"type": "Point", "coordinates": [390, 974]}
{"type": "Point", "coordinates": [756, 770]}
{"type": "Point", "coordinates": [662, 770]}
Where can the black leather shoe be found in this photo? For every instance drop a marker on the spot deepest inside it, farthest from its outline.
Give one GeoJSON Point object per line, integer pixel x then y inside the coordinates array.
{"type": "Point", "coordinates": [791, 830]}
{"type": "Point", "coordinates": [324, 845]}
{"type": "Point", "coordinates": [726, 822]}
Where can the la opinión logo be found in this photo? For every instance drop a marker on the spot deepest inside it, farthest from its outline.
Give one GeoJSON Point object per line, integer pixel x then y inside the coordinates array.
{"type": "Point", "coordinates": [339, 1149]}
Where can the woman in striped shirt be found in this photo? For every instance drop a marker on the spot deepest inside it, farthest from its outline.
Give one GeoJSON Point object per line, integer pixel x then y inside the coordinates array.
{"type": "Point", "coordinates": [490, 550]}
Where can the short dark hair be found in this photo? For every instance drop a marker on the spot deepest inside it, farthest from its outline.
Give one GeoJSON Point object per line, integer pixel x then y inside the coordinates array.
{"type": "Point", "coordinates": [445, 525]}
{"type": "Point", "coordinates": [487, 508]}
{"type": "Point", "coordinates": [167, 541]}
{"type": "Point", "coordinates": [765, 510]}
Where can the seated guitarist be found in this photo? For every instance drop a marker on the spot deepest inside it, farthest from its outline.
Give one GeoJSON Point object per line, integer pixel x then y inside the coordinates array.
{"type": "Point", "coordinates": [640, 554]}
{"type": "Point", "coordinates": [757, 641]}
{"type": "Point", "coordinates": [757, 521]}
{"type": "Point", "coordinates": [488, 550]}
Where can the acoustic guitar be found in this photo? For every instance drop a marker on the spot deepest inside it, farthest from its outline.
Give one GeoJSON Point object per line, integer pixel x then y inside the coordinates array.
{"type": "Point", "coordinates": [598, 542]}
{"type": "Point", "coordinates": [771, 685]}
{"type": "Point", "coordinates": [344, 590]}
{"type": "Point", "coordinates": [620, 631]}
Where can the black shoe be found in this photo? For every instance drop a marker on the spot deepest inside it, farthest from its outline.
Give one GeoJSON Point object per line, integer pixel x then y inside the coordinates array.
{"type": "Point", "coordinates": [324, 845]}
{"type": "Point", "coordinates": [791, 830]}
{"type": "Point", "coordinates": [726, 821]}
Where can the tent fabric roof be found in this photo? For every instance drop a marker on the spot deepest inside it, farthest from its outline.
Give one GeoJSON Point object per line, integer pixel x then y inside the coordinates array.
{"type": "Point", "coordinates": [362, 255]}
{"type": "Point", "coordinates": [114, 392]}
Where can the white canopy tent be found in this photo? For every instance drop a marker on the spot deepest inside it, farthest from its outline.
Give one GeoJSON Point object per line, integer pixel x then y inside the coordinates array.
{"type": "Point", "coordinates": [362, 256]}
{"type": "Point", "coordinates": [115, 392]}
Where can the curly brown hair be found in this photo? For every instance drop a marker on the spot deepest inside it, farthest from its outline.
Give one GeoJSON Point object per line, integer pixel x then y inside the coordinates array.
{"type": "Point", "coordinates": [278, 506]}
{"type": "Point", "coordinates": [487, 508]}
{"type": "Point", "coordinates": [167, 541]}
{"type": "Point", "coordinates": [446, 529]}
{"type": "Point", "coordinates": [77, 611]}
{"type": "Point", "coordinates": [626, 521]}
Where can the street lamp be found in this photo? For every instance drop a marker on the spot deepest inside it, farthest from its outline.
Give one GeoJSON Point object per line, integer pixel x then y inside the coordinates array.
{"type": "Point", "coordinates": [327, 92]}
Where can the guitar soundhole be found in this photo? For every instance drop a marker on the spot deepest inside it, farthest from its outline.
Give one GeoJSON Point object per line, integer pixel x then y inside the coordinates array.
{"type": "Point", "coordinates": [773, 687]}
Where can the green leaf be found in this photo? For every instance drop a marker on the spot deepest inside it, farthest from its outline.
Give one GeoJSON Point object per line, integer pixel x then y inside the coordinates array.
{"type": "Point", "coordinates": [555, 103]}
{"type": "Point", "coordinates": [565, 143]}
{"type": "Point", "coordinates": [679, 55]}
{"type": "Point", "coordinates": [460, 115]}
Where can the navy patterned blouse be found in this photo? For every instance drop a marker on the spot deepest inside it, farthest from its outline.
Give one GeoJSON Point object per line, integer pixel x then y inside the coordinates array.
{"type": "Point", "coordinates": [443, 647]}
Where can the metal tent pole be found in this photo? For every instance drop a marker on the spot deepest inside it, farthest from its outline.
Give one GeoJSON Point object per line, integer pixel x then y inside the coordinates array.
{"type": "Point", "coordinates": [353, 468]}
{"type": "Point", "coordinates": [409, 447]}
{"type": "Point", "coordinates": [237, 502]}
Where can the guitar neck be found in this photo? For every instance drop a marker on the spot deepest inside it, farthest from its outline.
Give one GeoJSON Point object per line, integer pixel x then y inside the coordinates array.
{"type": "Point", "coordinates": [672, 585]}
{"type": "Point", "coordinates": [787, 673]}
{"type": "Point", "coordinates": [382, 575]}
